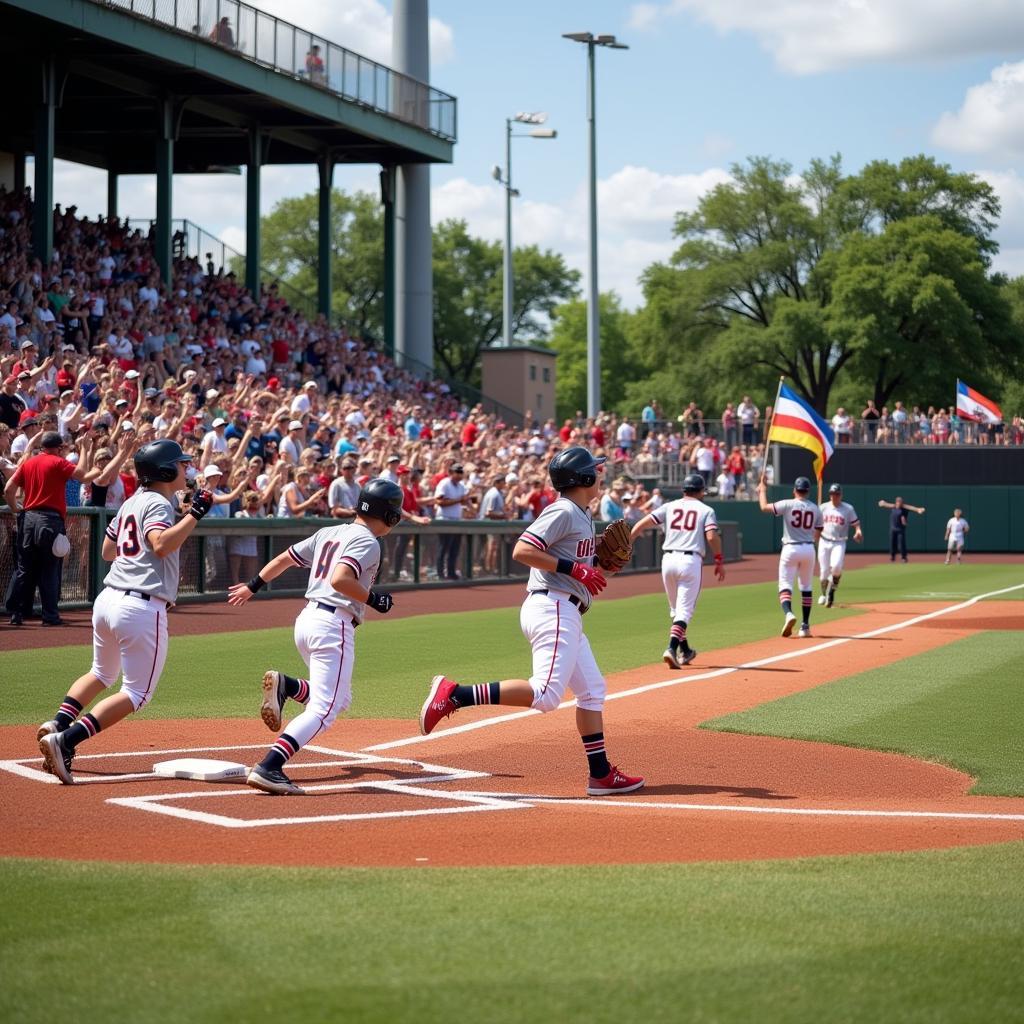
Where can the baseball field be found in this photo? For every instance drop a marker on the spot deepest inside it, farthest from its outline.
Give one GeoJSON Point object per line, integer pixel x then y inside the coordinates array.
{"type": "Point", "coordinates": [832, 828]}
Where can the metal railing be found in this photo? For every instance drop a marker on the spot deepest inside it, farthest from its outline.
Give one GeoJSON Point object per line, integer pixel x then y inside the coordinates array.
{"type": "Point", "coordinates": [221, 552]}
{"type": "Point", "coordinates": [290, 50]}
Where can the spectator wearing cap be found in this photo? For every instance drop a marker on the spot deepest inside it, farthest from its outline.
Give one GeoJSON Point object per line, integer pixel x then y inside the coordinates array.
{"type": "Point", "coordinates": [36, 493]}
{"type": "Point", "coordinates": [26, 392]}
{"type": "Point", "coordinates": [390, 473]}
{"type": "Point", "coordinates": [302, 403]}
{"type": "Point", "coordinates": [298, 496]}
{"type": "Point", "coordinates": [449, 500]}
{"type": "Point", "coordinates": [411, 513]}
{"type": "Point", "coordinates": [291, 446]}
{"type": "Point", "coordinates": [28, 425]}
{"type": "Point", "coordinates": [493, 508]}
{"type": "Point", "coordinates": [214, 442]}
{"type": "Point", "coordinates": [12, 405]}
{"type": "Point", "coordinates": [343, 494]}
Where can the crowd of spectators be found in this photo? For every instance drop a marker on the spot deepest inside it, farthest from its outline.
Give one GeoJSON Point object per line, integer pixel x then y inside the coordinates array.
{"type": "Point", "coordinates": [285, 416]}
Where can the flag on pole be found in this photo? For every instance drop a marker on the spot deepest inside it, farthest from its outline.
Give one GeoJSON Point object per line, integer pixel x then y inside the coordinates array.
{"type": "Point", "coordinates": [795, 422]}
{"type": "Point", "coordinates": [972, 405]}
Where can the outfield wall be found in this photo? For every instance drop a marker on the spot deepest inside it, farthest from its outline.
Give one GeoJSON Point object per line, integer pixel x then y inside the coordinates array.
{"type": "Point", "coordinates": [995, 514]}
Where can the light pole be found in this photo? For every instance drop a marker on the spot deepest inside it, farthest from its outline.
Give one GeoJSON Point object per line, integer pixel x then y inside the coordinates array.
{"type": "Point", "coordinates": [510, 194]}
{"type": "Point", "coordinates": [593, 313]}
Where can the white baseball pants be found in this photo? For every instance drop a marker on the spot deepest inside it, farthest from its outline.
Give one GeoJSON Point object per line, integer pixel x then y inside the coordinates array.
{"type": "Point", "coordinates": [681, 575]}
{"type": "Point", "coordinates": [831, 556]}
{"type": "Point", "coordinates": [796, 563]}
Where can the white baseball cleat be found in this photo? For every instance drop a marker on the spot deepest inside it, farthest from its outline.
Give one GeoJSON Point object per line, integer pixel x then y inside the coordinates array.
{"type": "Point", "coordinates": [56, 758]}
{"type": "Point", "coordinates": [670, 658]}
{"type": "Point", "coordinates": [823, 599]}
{"type": "Point", "coordinates": [273, 700]}
{"type": "Point", "coordinates": [805, 631]}
{"type": "Point", "coordinates": [787, 629]}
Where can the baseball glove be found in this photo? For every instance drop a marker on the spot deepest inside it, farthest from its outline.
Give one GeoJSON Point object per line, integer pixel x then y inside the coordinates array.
{"type": "Point", "coordinates": [615, 546]}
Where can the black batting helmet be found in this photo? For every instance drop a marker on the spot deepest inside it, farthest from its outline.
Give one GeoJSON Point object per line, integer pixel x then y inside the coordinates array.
{"type": "Point", "coordinates": [381, 499]}
{"type": "Point", "coordinates": [574, 467]}
{"type": "Point", "coordinates": [692, 483]}
{"type": "Point", "coordinates": [835, 489]}
{"type": "Point", "coordinates": [157, 462]}
{"type": "Point", "coordinates": [801, 485]}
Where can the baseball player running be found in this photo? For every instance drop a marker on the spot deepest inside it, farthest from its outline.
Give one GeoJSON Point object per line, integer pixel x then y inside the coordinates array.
{"type": "Point", "coordinates": [801, 528]}
{"type": "Point", "coordinates": [688, 523]}
{"type": "Point", "coordinates": [956, 533]}
{"type": "Point", "coordinates": [837, 518]}
{"type": "Point", "coordinates": [129, 617]}
{"type": "Point", "coordinates": [342, 562]}
{"type": "Point", "coordinates": [559, 547]}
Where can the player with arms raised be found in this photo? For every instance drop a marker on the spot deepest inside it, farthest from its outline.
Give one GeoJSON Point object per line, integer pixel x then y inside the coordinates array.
{"type": "Point", "coordinates": [688, 524]}
{"type": "Point", "coordinates": [801, 528]}
{"type": "Point", "coordinates": [559, 547]}
{"type": "Point", "coordinates": [837, 518]}
{"type": "Point", "coordinates": [129, 617]}
{"type": "Point", "coordinates": [342, 562]}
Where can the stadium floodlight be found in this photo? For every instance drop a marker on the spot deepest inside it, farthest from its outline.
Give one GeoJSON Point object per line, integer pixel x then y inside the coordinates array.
{"type": "Point", "coordinates": [536, 117]}
{"type": "Point", "coordinates": [593, 317]}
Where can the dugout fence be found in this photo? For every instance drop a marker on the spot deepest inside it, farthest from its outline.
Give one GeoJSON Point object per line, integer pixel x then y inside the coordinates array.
{"type": "Point", "coordinates": [224, 551]}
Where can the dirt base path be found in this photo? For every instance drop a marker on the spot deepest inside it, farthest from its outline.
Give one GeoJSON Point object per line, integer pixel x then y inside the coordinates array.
{"type": "Point", "coordinates": [510, 789]}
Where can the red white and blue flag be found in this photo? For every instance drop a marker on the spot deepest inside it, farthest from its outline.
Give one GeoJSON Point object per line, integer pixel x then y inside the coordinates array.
{"type": "Point", "coordinates": [795, 422]}
{"type": "Point", "coordinates": [973, 405]}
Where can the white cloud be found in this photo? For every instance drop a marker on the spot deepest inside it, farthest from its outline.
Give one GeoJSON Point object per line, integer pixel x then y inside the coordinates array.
{"type": "Point", "coordinates": [991, 118]}
{"type": "Point", "coordinates": [811, 36]}
{"type": "Point", "coordinates": [363, 26]}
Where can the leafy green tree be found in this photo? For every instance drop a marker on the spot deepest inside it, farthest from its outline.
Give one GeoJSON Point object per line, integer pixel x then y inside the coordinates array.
{"type": "Point", "coordinates": [569, 340]}
{"type": "Point", "coordinates": [468, 296]}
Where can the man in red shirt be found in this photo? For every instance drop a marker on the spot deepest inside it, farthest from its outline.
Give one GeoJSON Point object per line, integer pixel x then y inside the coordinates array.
{"type": "Point", "coordinates": [41, 480]}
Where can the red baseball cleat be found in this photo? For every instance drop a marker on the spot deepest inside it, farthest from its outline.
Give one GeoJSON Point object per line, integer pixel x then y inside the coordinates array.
{"type": "Point", "coordinates": [613, 783]}
{"type": "Point", "coordinates": [438, 705]}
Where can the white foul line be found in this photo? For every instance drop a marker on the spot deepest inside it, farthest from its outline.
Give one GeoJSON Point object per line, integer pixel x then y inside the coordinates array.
{"type": "Point", "coordinates": [802, 652]}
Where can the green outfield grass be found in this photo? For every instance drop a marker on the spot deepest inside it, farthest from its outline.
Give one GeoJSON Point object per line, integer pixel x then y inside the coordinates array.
{"type": "Point", "coordinates": [959, 705]}
{"type": "Point", "coordinates": [217, 675]}
{"type": "Point", "coordinates": [932, 936]}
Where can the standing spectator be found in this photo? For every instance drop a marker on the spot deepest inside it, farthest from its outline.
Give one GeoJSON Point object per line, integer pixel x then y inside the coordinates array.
{"type": "Point", "coordinates": [450, 496]}
{"type": "Point", "coordinates": [343, 494]}
{"type": "Point", "coordinates": [869, 421]}
{"type": "Point", "coordinates": [705, 459]}
{"type": "Point", "coordinates": [737, 468]}
{"type": "Point", "coordinates": [214, 442]}
{"type": "Point", "coordinates": [493, 508]}
{"type": "Point", "coordinates": [291, 446]}
{"type": "Point", "coordinates": [842, 424]}
{"type": "Point", "coordinates": [898, 526]}
{"type": "Point", "coordinates": [296, 496]}
{"type": "Point", "coordinates": [242, 547]}
{"type": "Point", "coordinates": [729, 424]}
{"type": "Point", "coordinates": [315, 66]}
{"type": "Point", "coordinates": [748, 416]}
{"type": "Point", "coordinates": [221, 33]}
{"type": "Point", "coordinates": [648, 416]}
{"type": "Point", "coordinates": [12, 405]}
{"type": "Point", "coordinates": [899, 420]}
{"type": "Point", "coordinates": [42, 480]}
{"type": "Point", "coordinates": [625, 437]}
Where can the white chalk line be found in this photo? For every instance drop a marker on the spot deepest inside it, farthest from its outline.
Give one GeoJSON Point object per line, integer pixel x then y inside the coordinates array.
{"type": "Point", "coordinates": [802, 652]}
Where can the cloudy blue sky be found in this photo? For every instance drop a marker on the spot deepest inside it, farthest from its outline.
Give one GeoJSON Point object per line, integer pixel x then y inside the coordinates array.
{"type": "Point", "coordinates": [705, 83]}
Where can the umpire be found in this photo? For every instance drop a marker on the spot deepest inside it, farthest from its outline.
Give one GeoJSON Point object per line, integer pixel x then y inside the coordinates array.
{"type": "Point", "coordinates": [41, 480]}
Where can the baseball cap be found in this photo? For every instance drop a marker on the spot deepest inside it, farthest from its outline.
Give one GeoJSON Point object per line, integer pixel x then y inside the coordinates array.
{"type": "Point", "coordinates": [189, 374]}
{"type": "Point", "coordinates": [273, 383]}
{"type": "Point", "coordinates": [310, 384]}
{"type": "Point", "coordinates": [348, 464]}
{"type": "Point", "coordinates": [401, 470]}
{"type": "Point", "coordinates": [131, 375]}
{"type": "Point", "coordinates": [24, 375]}
{"type": "Point", "coordinates": [393, 458]}
{"type": "Point", "coordinates": [51, 439]}
{"type": "Point", "coordinates": [457, 468]}
{"type": "Point", "coordinates": [511, 478]}
{"type": "Point", "coordinates": [220, 422]}
{"type": "Point", "coordinates": [27, 344]}
{"type": "Point", "coordinates": [212, 393]}
{"type": "Point", "coordinates": [66, 391]}
{"type": "Point", "coordinates": [151, 392]}
{"type": "Point", "coordinates": [295, 425]}
{"type": "Point", "coordinates": [121, 401]}
{"type": "Point", "coordinates": [127, 426]}
{"type": "Point", "coordinates": [68, 348]}
{"type": "Point", "coordinates": [835, 489]}
{"type": "Point", "coordinates": [11, 379]}
{"type": "Point", "coordinates": [212, 470]}
{"type": "Point", "coordinates": [27, 418]}
{"type": "Point", "coordinates": [364, 461]}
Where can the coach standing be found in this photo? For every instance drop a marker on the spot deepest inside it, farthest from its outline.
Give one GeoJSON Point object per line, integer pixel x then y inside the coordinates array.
{"type": "Point", "coordinates": [898, 526]}
{"type": "Point", "coordinates": [41, 480]}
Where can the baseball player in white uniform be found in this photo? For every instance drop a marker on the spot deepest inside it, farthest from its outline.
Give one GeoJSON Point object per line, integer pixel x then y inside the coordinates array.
{"type": "Point", "coordinates": [801, 528]}
{"type": "Point", "coordinates": [688, 524]}
{"type": "Point", "coordinates": [342, 562]}
{"type": "Point", "coordinates": [837, 518]}
{"type": "Point", "coordinates": [956, 533]}
{"type": "Point", "coordinates": [559, 547]}
{"type": "Point", "coordinates": [129, 617]}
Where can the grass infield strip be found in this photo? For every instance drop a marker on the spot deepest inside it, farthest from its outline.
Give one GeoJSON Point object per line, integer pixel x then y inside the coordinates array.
{"type": "Point", "coordinates": [931, 936]}
{"type": "Point", "coordinates": [959, 705]}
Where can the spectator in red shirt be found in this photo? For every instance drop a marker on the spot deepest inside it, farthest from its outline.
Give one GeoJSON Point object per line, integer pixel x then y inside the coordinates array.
{"type": "Point", "coordinates": [469, 434]}
{"type": "Point", "coordinates": [41, 480]}
{"type": "Point", "coordinates": [736, 466]}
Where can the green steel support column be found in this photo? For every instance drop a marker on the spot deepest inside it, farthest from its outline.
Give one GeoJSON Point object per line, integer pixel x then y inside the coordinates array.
{"type": "Point", "coordinates": [164, 159]}
{"type": "Point", "coordinates": [387, 197]}
{"type": "Point", "coordinates": [42, 193]}
{"type": "Point", "coordinates": [253, 250]}
{"type": "Point", "coordinates": [325, 167]}
{"type": "Point", "coordinates": [111, 192]}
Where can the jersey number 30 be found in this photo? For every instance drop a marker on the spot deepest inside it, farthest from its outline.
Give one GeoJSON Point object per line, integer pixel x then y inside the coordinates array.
{"type": "Point", "coordinates": [801, 519]}
{"type": "Point", "coordinates": [128, 538]}
{"type": "Point", "coordinates": [686, 517]}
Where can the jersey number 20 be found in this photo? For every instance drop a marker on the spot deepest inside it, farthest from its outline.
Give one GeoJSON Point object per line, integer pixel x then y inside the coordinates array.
{"type": "Point", "coordinates": [687, 517]}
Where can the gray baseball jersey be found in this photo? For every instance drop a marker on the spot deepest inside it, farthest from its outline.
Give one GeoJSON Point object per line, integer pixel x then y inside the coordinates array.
{"type": "Point", "coordinates": [800, 518]}
{"type": "Point", "coordinates": [564, 530]}
{"type": "Point", "coordinates": [837, 520]}
{"type": "Point", "coordinates": [136, 566]}
{"type": "Point", "coordinates": [349, 543]}
{"type": "Point", "coordinates": [685, 522]}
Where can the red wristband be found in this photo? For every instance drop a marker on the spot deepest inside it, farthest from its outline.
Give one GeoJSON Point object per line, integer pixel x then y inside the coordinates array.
{"type": "Point", "coordinates": [718, 559]}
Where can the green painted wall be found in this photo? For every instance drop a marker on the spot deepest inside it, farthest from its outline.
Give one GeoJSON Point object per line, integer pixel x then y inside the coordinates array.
{"type": "Point", "coordinates": [995, 514]}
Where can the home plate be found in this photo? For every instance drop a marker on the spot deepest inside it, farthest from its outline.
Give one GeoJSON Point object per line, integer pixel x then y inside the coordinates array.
{"type": "Point", "coordinates": [204, 769]}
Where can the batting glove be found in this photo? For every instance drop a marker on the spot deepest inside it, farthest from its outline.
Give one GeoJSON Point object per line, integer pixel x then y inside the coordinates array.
{"type": "Point", "coordinates": [380, 601]}
{"type": "Point", "coordinates": [590, 576]}
{"type": "Point", "coordinates": [202, 502]}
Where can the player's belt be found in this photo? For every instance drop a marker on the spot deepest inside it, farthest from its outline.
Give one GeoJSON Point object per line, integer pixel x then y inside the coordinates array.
{"type": "Point", "coordinates": [787, 542]}
{"type": "Point", "coordinates": [671, 552]}
{"type": "Point", "coordinates": [573, 599]}
{"type": "Point", "coordinates": [334, 609]}
{"type": "Point", "coordinates": [138, 593]}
